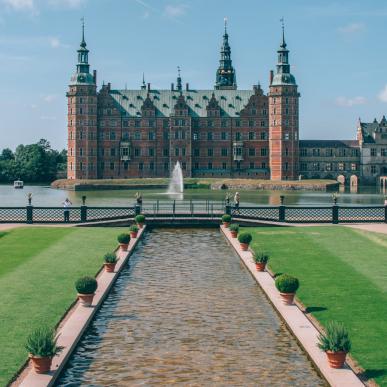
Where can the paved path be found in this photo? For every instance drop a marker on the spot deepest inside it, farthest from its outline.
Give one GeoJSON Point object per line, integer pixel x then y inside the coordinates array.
{"type": "Point", "coordinates": [373, 227]}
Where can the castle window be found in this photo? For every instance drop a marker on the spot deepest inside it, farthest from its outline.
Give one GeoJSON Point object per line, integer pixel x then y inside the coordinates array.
{"type": "Point", "coordinates": [303, 167]}
{"type": "Point", "coordinates": [251, 151]}
{"type": "Point", "coordinates": [287, 136]}
{"type": "Point", "coordinates": [166, 135]}
{"type": "Point", "coordinates": [209, 136]}
{"type": "Point", "coordinates": [224, 152]}
{"type": "Point", "coordinates": [286, 152]}
{"type": "Point", "coordinates": [286, 111]}
{"type": "Point", "coordinates": [252, 165]}
{"type": "Point", "coordinates": [253, 111]}
{"type": "Point", "coordinates": [209, 123]}
{"type": "Point", "coordinates": [137, 135]}
{"type": "Point", "coordinates": [341, 166]}
{"type": "Point", "coordinates": [224, 136]}
{"type": "Point", "coordinates": [166, 166]}
{"type": "Point", "coordinates": [224, 123]}
{"type": "Point", "coordinates": [316, 166]}
{"type": "Point", "coordinates": [195, 136]}
{"type": "Point", "coordinates": [237, 123]}
{"type": "Point", "coordinates": [71, 166]}
{"type": "Point", "coordinates": [81, 135]}
{"type": "Point", "coordinates": [209, 165]}
{"type": "Point", "coordinates": [383, 152]}
{"type": "Point", "coordinates": [151, 136]}
{"type": "Point", "coordinates": [251, 123]}
{"type": "Point", "coordinates": [151, 165]}
{"type": "Point", "coordinates": [151, 123]}
{"type": "Point", "coordinates": [137, 123]}
{"type": "Point", "coordinates": [373, 151]}
{"type": "Point", "coordinates": [80, 111]}
{"type": "Point", "coordinates": [137, 152]}
{"type": "Point", "coordinates": [183, 151]}
{"type": "Point", "coordinates": [112, 152]}
{"type": "Point", "coordinates": [263, 151]}
{"type": "Point", "coordinates": [328, 166]}
{"type": "Point", "coordinates": [210, 152]}
{"type": "Point", "coordinates": [329, 152]}
{"type": "Point", "coordinates": [109, 112]}
{"type": "Point", "coordinates": [316, 152]}
{"type": "Point", "coordinates": [286, 166]}
{"type": "Point", "coordinates": [238, 136]}
{"type": "Point", "coordinates": [166, 152]}
{"type": "Point", "coordinates": [263, 165]}
{"type": "Point", "coordinates": [165, 124]}
{"type": "Point", "coordinates": [264, 112]}
{"type": "Point", "coordinates": [286, 100]}
{"type": "Point", "coordinates": [151, 152]}
{"type": "Point", "coordinates": [262, 123]}
{"type": "Point", "coordinates": [125, 123]}
{"type": "Point", "coordinates": [251, 135]}
{"type": "Point", "coordinates": [303, 152]}
{"type": "Point", "coordinates": [196, 152]}
{"type": "Point", "coordinates": [125, 135]}
{"type": "Point", "coordinates": [81, 166]}
{"type": "Point", "coordinates": [373, 169]}
{"type": "Point", "coordinates": [263, 135]}
{"type": "Point", "coordinates": [176, 152]}
{"type": "Point", "coordinates": [140, 166]}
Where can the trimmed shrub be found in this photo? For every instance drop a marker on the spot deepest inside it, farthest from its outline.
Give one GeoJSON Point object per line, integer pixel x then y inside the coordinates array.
{"type": "Point", "coordinates": [286, 283]}
{"type": "Point", "coordinates": [226, 218]}
{"type": "Point", "coordinates": [234, 227]}
{"type": "Point", "coordinates": [140, 218]}
{"type": "Point", "coordinates": [335, 339]}
{"type": "Point", "coordinates": [123, 238]}
{"type": "Point", "coordinates": [110, 258]}
{"type": "Point", "coordinates": [245, 237]}
{"type": "Point", "coordinates": [133, 228]}
{"type": "Point", "coordinates": [42, 342]}
{"type": "Point", "coordinates": [261, 257]}
{"type": "Point", "coordinates": [86, 285]}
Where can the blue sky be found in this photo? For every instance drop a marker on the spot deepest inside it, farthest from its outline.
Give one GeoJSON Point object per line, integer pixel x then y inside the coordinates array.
{"type": "Point", "coordinates": [337, 51]}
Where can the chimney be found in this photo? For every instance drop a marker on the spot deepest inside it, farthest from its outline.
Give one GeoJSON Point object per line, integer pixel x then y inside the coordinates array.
{"type": "Point", "coordinates": [271, 76]}
{"type": "Point", "coordinates": [148, 86]}
{"type": "Point", "coordinates": [95, 76]}
{"type": "Point", "coordinates": [172, 86]}
{"type": "Point", "coordinates": [109, 86]}
{"type": "Point", "coordinates": [187, 86]}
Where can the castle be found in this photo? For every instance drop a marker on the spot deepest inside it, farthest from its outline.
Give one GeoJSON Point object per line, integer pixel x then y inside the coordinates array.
{"type": "Point", "coordinates": [221, 132]}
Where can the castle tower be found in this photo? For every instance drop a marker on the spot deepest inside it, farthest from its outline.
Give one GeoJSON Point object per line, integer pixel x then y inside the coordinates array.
{"type": "Point", "coordinates": [82, 119]}
{"type": "Point", "coordinates": [283, 121]}
{"type": "Point", "coordinates": [225, 75]}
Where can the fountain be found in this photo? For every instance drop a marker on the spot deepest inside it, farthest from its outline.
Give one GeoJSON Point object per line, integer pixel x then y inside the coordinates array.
{"type": "Point", "coordinates": [176, 184]}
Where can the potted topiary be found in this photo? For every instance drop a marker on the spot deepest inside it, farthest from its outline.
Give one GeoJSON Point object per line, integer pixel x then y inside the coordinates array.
{"type": "Point", "coordinates": [86, 287]}
{"type": "Point", "coordinates": [41, 346]}
{"type": "Point", "coordinates": [260, 260]}
{"type": "Point", "coordinates": [335, 343]}
{"type": "Point", "coordinates": [287, 286]}
{"type": "Point", "coordinates": [234, 228]}
{"type": "Point", "coordinates": [226, 220]}
{"type": "Point", "coordinates": [133, 229]}
{"type": "Point", "coordinates": [244, 239]}
{"type": "Point", "coordinates": [123, 240]}
{"type": "Point", "coordinates": [140, 220]}
{"type": "Point", "coordinates": [110, 262]}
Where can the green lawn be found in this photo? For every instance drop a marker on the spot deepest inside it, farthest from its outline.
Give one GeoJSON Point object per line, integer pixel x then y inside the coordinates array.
{"type": "Point", "coordinates": [38, 267]}
{"type": "Point", "coordinates": [343, 276]}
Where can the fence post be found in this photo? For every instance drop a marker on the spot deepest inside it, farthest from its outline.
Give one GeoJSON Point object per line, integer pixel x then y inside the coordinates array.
{"type": "Point", "coordinates": [83, 210]}
{"type": "Point", "coordinates": [137, 209]}
{"type": "Point", "coordinates": [385, 213]}
{"type": "Point", "coordinates": [174, 207]}
{"type": "Point", "coordinates": [227, 209]}
{"type": "Point", "coordinates": [282, 209]}
{"type": "Point", "coordinates": [29, 210]}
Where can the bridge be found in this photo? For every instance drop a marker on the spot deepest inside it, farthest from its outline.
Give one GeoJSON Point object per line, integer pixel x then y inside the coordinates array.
{"type": "Point", "coordinates": [196, 211]}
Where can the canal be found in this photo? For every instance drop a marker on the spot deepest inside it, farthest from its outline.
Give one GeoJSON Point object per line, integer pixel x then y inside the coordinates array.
{"type": "Point", "coordinates": [185, 311]}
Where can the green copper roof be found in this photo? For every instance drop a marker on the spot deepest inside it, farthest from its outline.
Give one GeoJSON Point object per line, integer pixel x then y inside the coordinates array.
{"type": "Point", "coordinates": [231, 102]}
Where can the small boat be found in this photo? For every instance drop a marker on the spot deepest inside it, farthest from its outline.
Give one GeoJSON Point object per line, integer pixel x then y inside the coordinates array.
{"type": "Point", "coordinates": [18, 184]}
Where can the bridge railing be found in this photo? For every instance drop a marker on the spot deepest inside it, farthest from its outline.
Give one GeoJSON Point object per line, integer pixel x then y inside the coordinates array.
{"type": "Point", "coordinates": [209, 209]}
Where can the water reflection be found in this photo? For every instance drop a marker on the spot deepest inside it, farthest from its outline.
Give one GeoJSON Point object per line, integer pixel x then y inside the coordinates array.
{"type": "Point", "coordinates": [187, 312]}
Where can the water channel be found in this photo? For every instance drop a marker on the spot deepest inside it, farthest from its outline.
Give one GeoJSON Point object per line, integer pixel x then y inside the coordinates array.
{"type": "Point", "coordinates": [185, 311]}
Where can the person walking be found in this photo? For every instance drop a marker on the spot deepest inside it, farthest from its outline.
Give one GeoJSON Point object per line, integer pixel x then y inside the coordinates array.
{"type": "Point", "coordinates": [236, 201]}
{"type": "Point", "coordinates": [66, 205]}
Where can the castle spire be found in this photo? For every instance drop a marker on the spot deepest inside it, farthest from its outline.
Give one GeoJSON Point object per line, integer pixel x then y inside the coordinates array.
{"type": "Point", "coordinates": [283, 75]}
{"type": "Point", "coordinates": [179, 86]}
{"type": "Point", "coordinates": [225, 75]}
{"type": "Point", "coordinates": [143, 86]}
{"type": "Point", "coordinates": [83, 68]}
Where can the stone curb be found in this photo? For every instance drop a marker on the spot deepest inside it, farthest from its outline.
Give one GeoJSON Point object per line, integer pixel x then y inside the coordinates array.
{"type": "Point", "coordinates": [303, 329]}
{"type": "Point", "coordinates": [76, 321]}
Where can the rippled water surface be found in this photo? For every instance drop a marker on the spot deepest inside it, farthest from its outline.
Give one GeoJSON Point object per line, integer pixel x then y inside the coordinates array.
{"type": "Point", "coordinates": [186, 311]}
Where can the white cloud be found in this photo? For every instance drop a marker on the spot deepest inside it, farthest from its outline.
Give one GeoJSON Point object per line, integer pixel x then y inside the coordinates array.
{"type": "Point", "coordinates": [66, 3]}
{"type": "Point", "coordinates": [349, 102]}
{"type": "Point", "coordinates": [352, 28]}
{"type": "Point", "coordinates": [50, 98]}
{"type": "Point", "coordinates": [383, 94]}
{"type": "Point", "coordinates": [56, 43]}
{"type": "Point", "coordinates": [20, 5]}
{"type": "Point", "coordinates": [174, 11]}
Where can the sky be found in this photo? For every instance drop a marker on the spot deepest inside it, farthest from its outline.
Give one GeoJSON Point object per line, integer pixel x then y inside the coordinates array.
{"type": "Point", "coordinates": [337, 52]}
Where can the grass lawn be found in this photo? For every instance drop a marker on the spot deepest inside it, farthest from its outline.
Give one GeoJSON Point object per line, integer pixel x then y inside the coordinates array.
{"type": "Point", "coordinates": [343, 276]}
{"type": "Point", "coordinates": [38, 268]}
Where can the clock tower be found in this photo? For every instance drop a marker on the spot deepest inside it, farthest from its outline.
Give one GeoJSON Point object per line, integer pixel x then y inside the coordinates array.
{"type": "Point", "coordinates": [82, 119]}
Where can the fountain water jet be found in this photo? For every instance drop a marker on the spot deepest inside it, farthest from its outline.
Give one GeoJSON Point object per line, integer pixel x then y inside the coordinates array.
{"type": "Point", "coordinates": [176, 184]}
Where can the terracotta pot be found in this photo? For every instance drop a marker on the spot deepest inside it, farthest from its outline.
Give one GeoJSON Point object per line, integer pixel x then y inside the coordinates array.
{"type": "Point", "coordinates": [260, 266]}
{"type": "Point", "coordinates": [244, 246]}
{"type": "Point", "coordinates": [133, 234]}
{"type": "Point", "coordinates": [124, 246]}
{"type": "Point", "coordinates": [41, 365]}
{"type": "Point", "coordinates": [86, 299]}
{"type": "Point", "coordinates": [109, 267]}
{"type": "Point", "coordinates": [234, 234]}
{"type": "Point", "coordinates": [226, 224]}
{"type": "Point", "coordinates": [336, 359]}
{"type": "Point", "coordinates": [140, 225]}
{"type": "Point", "coordinates": [287, 298]}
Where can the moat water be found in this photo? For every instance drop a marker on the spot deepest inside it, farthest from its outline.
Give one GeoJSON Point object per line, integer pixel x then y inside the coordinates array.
{"type": "Point", "coordinates": [185, 311]}
{"type": "Point", "coordinates": [46, 196]}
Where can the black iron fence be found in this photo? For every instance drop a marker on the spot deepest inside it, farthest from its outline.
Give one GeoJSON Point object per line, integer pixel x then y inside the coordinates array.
{"type": "Point", "coordinates": [199, 209]}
